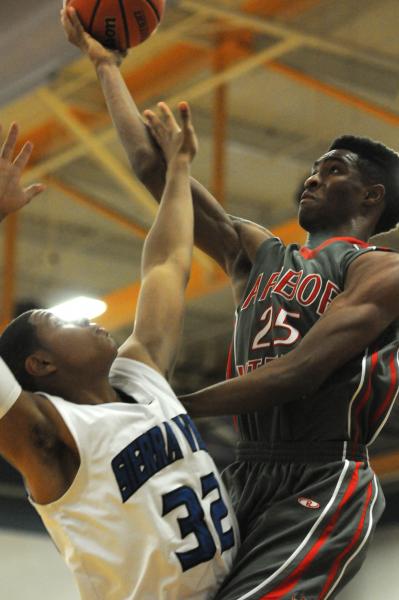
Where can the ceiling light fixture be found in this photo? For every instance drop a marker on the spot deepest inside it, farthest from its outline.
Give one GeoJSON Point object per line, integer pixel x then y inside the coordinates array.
{"type": "Point", "coordinates": [81, 307]}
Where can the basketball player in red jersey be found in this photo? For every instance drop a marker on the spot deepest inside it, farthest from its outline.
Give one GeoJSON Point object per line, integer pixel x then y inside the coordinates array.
{"type": "Point", "coordinates": [315, 357]}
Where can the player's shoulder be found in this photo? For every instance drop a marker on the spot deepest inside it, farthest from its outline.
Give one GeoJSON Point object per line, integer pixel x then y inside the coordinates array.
{"type": "Point", "coordinates": [376, 264]}
{"type": "Point", "coordinates": [129, 374]}
{"type": "Point", "coordinates": [124, 366]}
{"type": "Point", "coordinates": [375, 256]}
{"type": "Point", "coordinates": [251, 236]}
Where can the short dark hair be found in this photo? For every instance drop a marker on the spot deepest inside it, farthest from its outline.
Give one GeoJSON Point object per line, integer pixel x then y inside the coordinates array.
{"type": "Point", "coordinates": [17, 342]}
{"type": "Point", "coordinates": [377, 164]}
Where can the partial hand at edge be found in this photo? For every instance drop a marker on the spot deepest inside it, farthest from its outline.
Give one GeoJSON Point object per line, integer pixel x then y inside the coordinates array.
{"type": "Point", "coordinates": [12, 195]}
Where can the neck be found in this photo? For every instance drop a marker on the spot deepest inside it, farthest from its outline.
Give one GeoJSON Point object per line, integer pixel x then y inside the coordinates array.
{"type": "Point", "coordinates": [83, 392]}
{"type": "Point", "coordinates": [315, 238]}
{"type": "Point", "coordinates": [100, 393]}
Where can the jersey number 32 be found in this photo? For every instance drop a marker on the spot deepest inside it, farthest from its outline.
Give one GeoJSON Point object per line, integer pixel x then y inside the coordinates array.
{"type": "Point", "coordinates": [195, 521]}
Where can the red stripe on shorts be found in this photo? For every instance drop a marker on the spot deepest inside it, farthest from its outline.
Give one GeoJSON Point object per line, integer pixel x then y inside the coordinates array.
{"type": "Point", "coordinates": [286, 586]}
{"type": "Point", "coordinates": [353, 542]}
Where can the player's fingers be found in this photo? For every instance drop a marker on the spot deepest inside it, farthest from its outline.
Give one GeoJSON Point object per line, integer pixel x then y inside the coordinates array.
{"type": "Point", "coordinates": [148, 114]}
{"type": "Point", "coordinates": [9, 143]}
{"type": "Point", "coordinates": [166, 114]}
{"type": "Point", "coordinates": [34, 190]}
{"type": "Point", "coordinates": [67, 25]}
{"type": "Point", "coordinates": [185, 114]}
{"type": "Point", "coordinates": [187, 126]}
{"type": "Point", "coordinates": [74, 19]}
{"type": "Point", "coordinates": [64, 17]}
{"type": "Point", "coordinates": [21, 160]}
{"type": "Point", "coordinates": [154, 122]}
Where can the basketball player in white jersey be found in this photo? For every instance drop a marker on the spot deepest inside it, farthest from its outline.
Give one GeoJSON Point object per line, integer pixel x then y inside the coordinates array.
{"type": "Point", "coordinates": [111, 461]}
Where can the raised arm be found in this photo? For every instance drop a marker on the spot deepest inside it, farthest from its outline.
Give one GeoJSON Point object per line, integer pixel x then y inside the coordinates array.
{"type": "Point", "coordinates": [35, 440]}
{"type": "Point", "coordinates": [354, 319]}
{"type": "Point", "coordinates": [167, 252]}
{"type": "Point", "coordinates": [215, 231]}
{"type": "Point", "coordinates": [31, 437]}
{"type": "Point", "coordinates": [19, 416]}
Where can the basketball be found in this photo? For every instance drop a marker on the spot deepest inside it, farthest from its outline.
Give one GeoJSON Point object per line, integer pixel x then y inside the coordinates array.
{"type": "Point", "coordinates": [119, 24]}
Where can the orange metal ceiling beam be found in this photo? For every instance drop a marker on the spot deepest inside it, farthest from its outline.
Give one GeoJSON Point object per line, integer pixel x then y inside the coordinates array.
{"type": "Point", "coordinates": [93, 204]}
{"type": "Point", "coordinates": [171, 65]}
{"type": "Point", "coordinates": [167, 70]}
{"type": "Point", "coordinates": [146, 81]}
{"type": "Point", "coordinates": [284, 8]}
{"type": "Point", "coordinates": [382, 113]}
{"type": "Point", "coordinates": [371, 108]}
{"type": "Point", "coordinates": [157, 75]}
{"type": "Point", "coordinates": [50, 136]}
{"type": "Point", "coordinates": [122, 302]}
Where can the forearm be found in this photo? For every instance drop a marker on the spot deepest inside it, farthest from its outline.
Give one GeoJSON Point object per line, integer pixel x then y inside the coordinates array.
{"type": "Point", "coordinates": [142, 152]}
{"type": "Point", "coordinates": [171, 235]}
{"type": "Point", "coordinates": [214, 231]}
{"type": "Point", "coordinates": [339, 336]}
{"type": "Point", "coordinates": [259, 390]}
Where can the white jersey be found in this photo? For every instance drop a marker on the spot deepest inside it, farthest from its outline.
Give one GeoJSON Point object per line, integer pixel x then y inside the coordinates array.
{"type": "Point", "coordinates": [147, 516]}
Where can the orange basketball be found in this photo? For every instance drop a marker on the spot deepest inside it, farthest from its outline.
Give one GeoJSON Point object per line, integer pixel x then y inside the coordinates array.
{"type": "Point", "coordinates": [119, 24]}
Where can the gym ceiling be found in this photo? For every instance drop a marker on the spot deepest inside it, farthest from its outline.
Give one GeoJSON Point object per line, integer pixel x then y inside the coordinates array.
{"type": "Point", "coordinates": [271, 83]}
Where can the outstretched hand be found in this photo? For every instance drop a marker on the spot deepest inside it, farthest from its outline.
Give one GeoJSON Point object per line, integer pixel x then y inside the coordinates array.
{"type": "Point", "coordinates": [174, 140]}
{"type": "Point", "coordinates": [12, 195]}
{"type": "Point", "coordinates": [75, 33]}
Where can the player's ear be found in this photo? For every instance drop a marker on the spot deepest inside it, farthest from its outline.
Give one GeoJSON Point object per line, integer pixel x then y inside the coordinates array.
{"type": "Point", "coordinates": [39, 364]}
{"type": "Point", "coordinates": [375, 194]}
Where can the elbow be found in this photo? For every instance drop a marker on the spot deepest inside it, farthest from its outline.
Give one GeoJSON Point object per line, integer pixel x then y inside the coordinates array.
{"type": "Point", "coordinates": [311, 379]}
{"type": "Point", "coordinates": [297, 376]}
{"type": "Point", "coordinates": [183, 268]}
{"type": "Point", "coordinates": [147, 160]}
{"type": "Point", "coordinates": [150, 170]}
{"type": "Point", "coordinates": [144, 163]}
{"type": "Point", "coordinates": [311, 383]}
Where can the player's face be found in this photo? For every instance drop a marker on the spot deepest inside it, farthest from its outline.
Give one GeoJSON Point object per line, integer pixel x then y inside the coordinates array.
{"type": "Point", "coordinates": [333, 193]}
{"type": "Point", "coordinates": [80, 344]}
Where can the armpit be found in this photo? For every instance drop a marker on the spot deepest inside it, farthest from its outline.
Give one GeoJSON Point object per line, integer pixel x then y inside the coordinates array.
{"type": "Point", "coordinates": [45, 441]}
{"type": "Point", "coordinates": [239, 274]}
